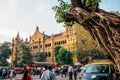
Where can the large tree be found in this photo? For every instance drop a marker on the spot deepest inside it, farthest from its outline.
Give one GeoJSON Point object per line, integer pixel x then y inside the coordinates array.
{"type": "Point", "coordinates": [56, 53]}
{"type": "Point", "coordinates": [62, 55]}
{"type": "Point", "coordinates": [40, 57]}
{"type": "Point", "coordinates": [5, 49]}
{"type": "Point", "coordinates": [65, 56]}
{"type": "Point", "coordinates": [5, 52]}
{"type": "Point", "coordinates": [88, 55]}
{"type": "Point", "coordinates": [25, 55]}
{"type": "Point", "coordinates": [103, 26]}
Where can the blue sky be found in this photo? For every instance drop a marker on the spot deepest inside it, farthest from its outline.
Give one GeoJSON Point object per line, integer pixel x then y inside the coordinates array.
{"type": "Point", "coordinates": [24, 15]}
{"type": "Point", "coordinates": [110, 5]}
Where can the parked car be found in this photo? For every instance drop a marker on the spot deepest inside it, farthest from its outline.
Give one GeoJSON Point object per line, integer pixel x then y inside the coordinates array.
{"type": "Point", "coordinates": [82, 70]}
{"type": "Point", "coordinates": [100, 70]}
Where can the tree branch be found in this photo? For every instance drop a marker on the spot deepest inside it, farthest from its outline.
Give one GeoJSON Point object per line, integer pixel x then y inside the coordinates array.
{"type": "Point", "coordinates": [76, 3]}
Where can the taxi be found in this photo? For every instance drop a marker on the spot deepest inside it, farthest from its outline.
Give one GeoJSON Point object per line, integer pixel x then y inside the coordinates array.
{"type": "Point", "coordinates": [99, 70]}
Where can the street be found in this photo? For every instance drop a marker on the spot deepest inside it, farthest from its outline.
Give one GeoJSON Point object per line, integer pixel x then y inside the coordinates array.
{"type": "Point", "coordinates": [18, 77]}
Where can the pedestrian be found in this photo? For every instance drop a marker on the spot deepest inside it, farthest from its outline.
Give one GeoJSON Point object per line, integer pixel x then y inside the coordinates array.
{"type": "Point", "coordinates": [29, 69]}
{"type": "Point", "coordinates": [12, 74]}
{"type": "Point", "coordinates": [75, 73]}
{"type": "Point", "coordinates": [52, 73]}
{"type": "Point", "coordinates": [4, 73]}
{"type": "Point", "coordinates": [26, 76]}
{"type": "Point", "coordinates": [48, 74]}
{"type": "Point", "coordinates": [44, 73]}
{"type": "Point", "coordinates": [65, 71]}
{"type": "Point", "coordinates": [33, 71]}
{"type": "Point", "coordinates": [70, 69]}
{"type": "Point", "coordinates": [36, 71]}
{"type": "Point", "coordinates": [61, 71]}
{"type": "Point", "coordinates": [40, 72]}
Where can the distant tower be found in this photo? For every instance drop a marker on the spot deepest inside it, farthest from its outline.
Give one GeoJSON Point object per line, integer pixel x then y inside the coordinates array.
{"type": "Point", "coordinates": [17, 38]}
{"type": "Point", "coordinates": [26, 41]}
{"type": "Point", "coordinates": [15, 45]}
{"type": "Point", "coordinates": [37, 29]}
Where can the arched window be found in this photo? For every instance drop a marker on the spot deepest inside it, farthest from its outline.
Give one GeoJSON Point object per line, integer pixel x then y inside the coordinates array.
{"type": "Point", "coordinates": [40, 45]}
{"type": "Point", "coordinates": [46, 54]}
{"type": "Point", "coordinates": [35, 47]}
{"type": "Point", "coordinates": [65, 41]}
{"type": "Point", "coordinates": [59, 42]}
{"type": "Point", "coordinates": [49, 54]}
{"type": "Point", "coordinates": [39, 39]}
{"type": "Point", "coordinates": [55, 43]}
{"type": "Point", "coordinates": [31, 47]}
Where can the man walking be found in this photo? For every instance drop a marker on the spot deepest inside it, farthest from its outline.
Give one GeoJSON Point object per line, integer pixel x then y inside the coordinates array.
{"type": "Point", "coordinates": [70, 69]}
{"type": "Point", "coordinates": [48, 74]}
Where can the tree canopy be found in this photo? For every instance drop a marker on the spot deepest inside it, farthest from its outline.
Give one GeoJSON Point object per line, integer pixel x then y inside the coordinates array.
{"type": "Point", "coordinates": [5, 52]}
{"type": "Point", "coordinates": [62, 55]}
{"type": "Point", "coordinates": [40, 56]}
{"type": "Point", "coordinates": [88, 55]}
{"type": "Point", "coordinates": [24, 53]}
{"type": "Point", "coordinates": [56, 53]}
{"type": "Point", "coordinates": [103, 26]}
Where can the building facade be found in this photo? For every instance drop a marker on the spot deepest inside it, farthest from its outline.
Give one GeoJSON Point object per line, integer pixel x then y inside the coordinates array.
{"type": "Point", "coordinates": [71, 39]}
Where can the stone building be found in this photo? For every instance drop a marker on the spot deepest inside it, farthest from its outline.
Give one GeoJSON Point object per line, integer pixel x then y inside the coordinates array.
{"type": "Point", "coordinates": [73, 39]}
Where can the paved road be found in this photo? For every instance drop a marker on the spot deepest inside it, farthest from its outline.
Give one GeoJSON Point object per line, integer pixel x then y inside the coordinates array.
{"type": "Point", "coordinates": [18, 77]}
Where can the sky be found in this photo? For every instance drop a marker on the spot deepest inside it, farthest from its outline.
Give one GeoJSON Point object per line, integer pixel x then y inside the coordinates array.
{"type": "Point", "coordinates": [24, 15]}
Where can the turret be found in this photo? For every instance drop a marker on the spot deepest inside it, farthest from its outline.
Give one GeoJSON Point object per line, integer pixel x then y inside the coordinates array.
{"type": "Point", "coordinates": [22, 40]}
{"type": "Point", "coordinates": [17, 38]}
{"type": "Point", "coordinates": [13, 40]}
{"type": "Point", "coordinates": [26, 40]}
{"type": "Point", "coordinates": [37, 29]}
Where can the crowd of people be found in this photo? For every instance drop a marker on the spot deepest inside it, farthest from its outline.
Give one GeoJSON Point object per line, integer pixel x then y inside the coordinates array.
{"type": "Point", "coordinates": [70, 71]}
{"type": "Point", "coordinates": [50, 73]}
{"type": "Point", "coordinates": [7, 73]}
{"type": "Point", "coordinates": [45, 73]}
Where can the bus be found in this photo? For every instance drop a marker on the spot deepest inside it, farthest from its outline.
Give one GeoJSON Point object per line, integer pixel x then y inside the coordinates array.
{"type": "Point", "coordinates": [42, 64]}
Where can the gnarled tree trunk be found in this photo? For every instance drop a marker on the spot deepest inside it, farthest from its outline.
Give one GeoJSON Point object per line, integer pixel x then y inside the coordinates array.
{"type": "Point", "coordinates": [103, 27]}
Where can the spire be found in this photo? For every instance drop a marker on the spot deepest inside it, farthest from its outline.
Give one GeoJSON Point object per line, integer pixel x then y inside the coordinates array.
{"type": "Point", "coordinates": [17, 37]}
{"type": "Point", "coordinates": [22, 39]}
{"type": "Point", "coordinates": [37, 29]}
{"type": "Point", "coordinates": [26, 40]}
{"type": "Point", "coordinates": [13, 40]}
{"type": "Point", "coordinates": [30, 37]}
